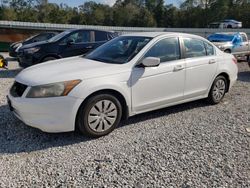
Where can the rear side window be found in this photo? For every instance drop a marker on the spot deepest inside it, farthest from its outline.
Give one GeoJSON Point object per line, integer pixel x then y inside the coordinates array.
{"type": "Point", "coordinates": [244, 38]}
{"type": "Point", "coordinates": [112, 35]}
{"type": "Point", "coordinates": [209, 49]}
{"type": "Point", "coordinates": [194, 48]}
{"type": "Point", "coordinates": [166, 49]}
{"type": "Point", "coordinates": [100, 36]}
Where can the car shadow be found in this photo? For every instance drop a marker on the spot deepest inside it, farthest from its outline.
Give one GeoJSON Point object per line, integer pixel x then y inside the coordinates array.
{"type": "Point", "coordinates": [244, 76]}
{"type": "Point", "coordinates": [11, 58]}
{"type": "Point", "coordinates": [16, 137]}
{"type": "Point", "coordinates": [9, 73]}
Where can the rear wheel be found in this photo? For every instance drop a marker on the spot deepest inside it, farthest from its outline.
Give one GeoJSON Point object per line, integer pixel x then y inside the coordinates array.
{"type": "Point", "coordinates": [99, 116]}
{"type": "Point", "coordinates": [218, 90]}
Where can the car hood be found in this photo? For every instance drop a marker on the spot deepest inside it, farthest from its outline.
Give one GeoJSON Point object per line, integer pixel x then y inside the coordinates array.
{"type": "Point", "coordinates": [67, 69]}
{"type": "Point", "coordinates": [34, 44]}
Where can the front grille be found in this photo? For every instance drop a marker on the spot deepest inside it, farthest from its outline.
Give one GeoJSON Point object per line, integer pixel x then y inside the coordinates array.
{"type": "Point", "coordinates": [17, 89]}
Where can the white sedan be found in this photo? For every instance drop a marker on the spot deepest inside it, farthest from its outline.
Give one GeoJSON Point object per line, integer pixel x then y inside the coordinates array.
{"type": "Point", "coordinates": [129, 75]}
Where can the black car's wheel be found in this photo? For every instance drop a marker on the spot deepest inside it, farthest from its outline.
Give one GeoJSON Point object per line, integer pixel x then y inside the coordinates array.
{"type": "Point", "coordinates": [227, 51]}
{"type": "Point", "coordinates": [49, 59]}
{"type": "Point", "coordinates": [99, 115]}
{"type": "Point", "coordinates": [218, 90]}
{"type": "Point", "coordinates": [248, 58]}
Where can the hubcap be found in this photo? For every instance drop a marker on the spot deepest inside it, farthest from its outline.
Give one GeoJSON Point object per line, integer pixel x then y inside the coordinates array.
{"type": "Point", "coordinates": [219, 90]}
{"type": "Point", "coordinates": [102, 115]}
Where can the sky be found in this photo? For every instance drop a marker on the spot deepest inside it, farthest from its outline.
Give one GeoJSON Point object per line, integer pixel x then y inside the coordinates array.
{"type": "Point", "coordinates": [75, 3]}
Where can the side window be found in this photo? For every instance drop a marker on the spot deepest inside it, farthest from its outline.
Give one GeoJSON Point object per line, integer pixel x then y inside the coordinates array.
{"type": "Point", "coordinates": [209, 48]}
{"type": "Point", "coordinates": [166, 49]}
{"type": "Point", "coordinates": [50, 35]}
{"type": "Point", "coordinates": [244, 38]}
{"type": "Point", "coordinates": [78, 37]}
{"type": "Point", "coordinates": [194, 48]}
{"type": "Point", "coordinates": [100, 36]}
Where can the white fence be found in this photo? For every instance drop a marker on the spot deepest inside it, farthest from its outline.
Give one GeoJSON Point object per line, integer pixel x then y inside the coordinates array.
{"type": "Point", "coordinates": [60, 27]}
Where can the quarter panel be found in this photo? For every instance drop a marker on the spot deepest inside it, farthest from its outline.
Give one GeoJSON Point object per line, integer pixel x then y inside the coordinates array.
{"type": "Point", "coordinates": [118, 82]}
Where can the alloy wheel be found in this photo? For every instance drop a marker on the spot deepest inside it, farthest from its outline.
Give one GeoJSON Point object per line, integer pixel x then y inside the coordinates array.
{"type": "Point", "coordinates": [219, 90]}
{"type": "Point", "coordinates": [102, 115]}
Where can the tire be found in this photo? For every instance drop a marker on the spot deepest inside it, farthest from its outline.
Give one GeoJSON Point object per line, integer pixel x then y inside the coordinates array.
{"type": "Point", "coordinates": [49, 59]}
{"type": "Point", "coordinates": [218, 90]}
{"type": "Point", "coordinates": [229, 26]}
{"type": "Point", "coordinates": [99, 115]}
{"type": "Point", "coordinates": [227, 51]}
{"type": "Point", "coordinates": [248, 58]}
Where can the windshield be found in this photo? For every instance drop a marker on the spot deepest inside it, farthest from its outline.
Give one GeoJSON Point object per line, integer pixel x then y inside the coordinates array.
{"type": "Point", "coordinates": [220, 38]}
{"type": "Point", "coordinates": [119, 50]}
{"type": "Point", "coordinates": [30, 38]}
{"type": "Point", "coordinates": [58, 36]}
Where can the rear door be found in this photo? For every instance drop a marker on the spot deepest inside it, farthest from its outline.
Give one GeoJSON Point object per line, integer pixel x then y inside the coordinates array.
{"type": "Point", "coordinates": [201, 66]}
{"type": "Point", "coordinates": [154, 87]}
{"type": "Point", "coordinates": [245, 43]}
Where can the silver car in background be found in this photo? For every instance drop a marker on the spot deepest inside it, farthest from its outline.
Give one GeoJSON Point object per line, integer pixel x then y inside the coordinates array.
{"type": "Point", "coordinates": [236, 43]}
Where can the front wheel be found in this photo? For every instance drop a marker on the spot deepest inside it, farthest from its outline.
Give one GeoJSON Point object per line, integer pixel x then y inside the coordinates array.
{"type": "Point", "coordinates": [227, 51]}
{"type": "Point", "coordinates": [49, 59]}
{"type": "Point", "coordinates": [218, 90]}
{"type": "Point", "coordinates": [99, 116]}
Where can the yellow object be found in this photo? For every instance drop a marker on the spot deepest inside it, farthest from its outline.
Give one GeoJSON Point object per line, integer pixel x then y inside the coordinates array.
{"type": "Point", "coordinates": [1, 63]}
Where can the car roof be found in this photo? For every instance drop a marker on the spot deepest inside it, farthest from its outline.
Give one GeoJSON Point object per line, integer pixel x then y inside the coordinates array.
{"type": "Point", "coordinates": [231, 20]}
{"type": "Point", "coordinates": [71, 30]}
{"type": "Point", "coordinates": [229, 33]}
{"type": "Point", "coordinates": [157, 34]}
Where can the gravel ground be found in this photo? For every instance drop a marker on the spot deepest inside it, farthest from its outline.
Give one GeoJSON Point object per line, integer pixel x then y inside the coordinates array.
{"type": "Point", "coordinates": [190, 145]}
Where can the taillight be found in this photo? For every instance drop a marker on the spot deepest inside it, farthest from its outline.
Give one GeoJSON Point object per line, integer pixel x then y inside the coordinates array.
{"type": "Point", "coordinates": [235, 60]}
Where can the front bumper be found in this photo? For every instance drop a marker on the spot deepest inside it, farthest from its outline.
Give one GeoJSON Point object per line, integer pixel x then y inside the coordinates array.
{"type": "Point", "coordinates": [27, 60]}
{"type": "Point", "coordinates": [12, 52]}
{"type": "Point", "coordinates": [52, 115]}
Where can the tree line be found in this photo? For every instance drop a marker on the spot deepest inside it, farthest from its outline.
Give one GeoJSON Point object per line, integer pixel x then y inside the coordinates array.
{"type": "Point", "coordinates": [133, 13]}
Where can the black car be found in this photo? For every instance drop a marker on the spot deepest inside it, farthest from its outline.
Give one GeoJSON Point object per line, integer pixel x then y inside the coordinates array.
{"type": "Point", "coordinates": [36, 38]}
{"type": "Point", "coordinates": [66, 44]}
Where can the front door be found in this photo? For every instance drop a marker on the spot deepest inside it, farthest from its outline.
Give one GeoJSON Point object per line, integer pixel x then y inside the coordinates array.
{"type": "Point", "coordinates": [77, 43]}
{"type": "Point", "coordinates": [155, 87]}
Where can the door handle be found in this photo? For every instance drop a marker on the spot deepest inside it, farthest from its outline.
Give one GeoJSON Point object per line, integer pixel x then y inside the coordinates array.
{"type": "Point", "coordinates": [211, 61]}
{"type": "Point", "coordinates": [178, 67]}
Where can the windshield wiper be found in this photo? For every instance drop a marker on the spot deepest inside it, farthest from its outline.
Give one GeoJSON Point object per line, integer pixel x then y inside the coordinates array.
{"type": "Point", "coordinates": [104, 60]}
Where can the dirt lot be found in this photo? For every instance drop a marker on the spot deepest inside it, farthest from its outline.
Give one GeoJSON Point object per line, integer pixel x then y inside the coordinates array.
{"type": "Point", "coordinates": [189, 145]}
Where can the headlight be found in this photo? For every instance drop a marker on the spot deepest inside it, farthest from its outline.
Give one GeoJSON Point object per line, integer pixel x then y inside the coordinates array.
{"type": "Point", "coordinates": [17, 45]}
{"type": "Point", "coordinates": [32, 50]}
{"type": "Point", "coordinates": [52, 90]}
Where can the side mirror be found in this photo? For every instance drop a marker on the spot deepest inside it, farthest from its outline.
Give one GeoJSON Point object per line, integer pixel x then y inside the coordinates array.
{"type": "Point", "coordinates": [151, 62]}
{"type": "Point", "coordinates": [70, 42]}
